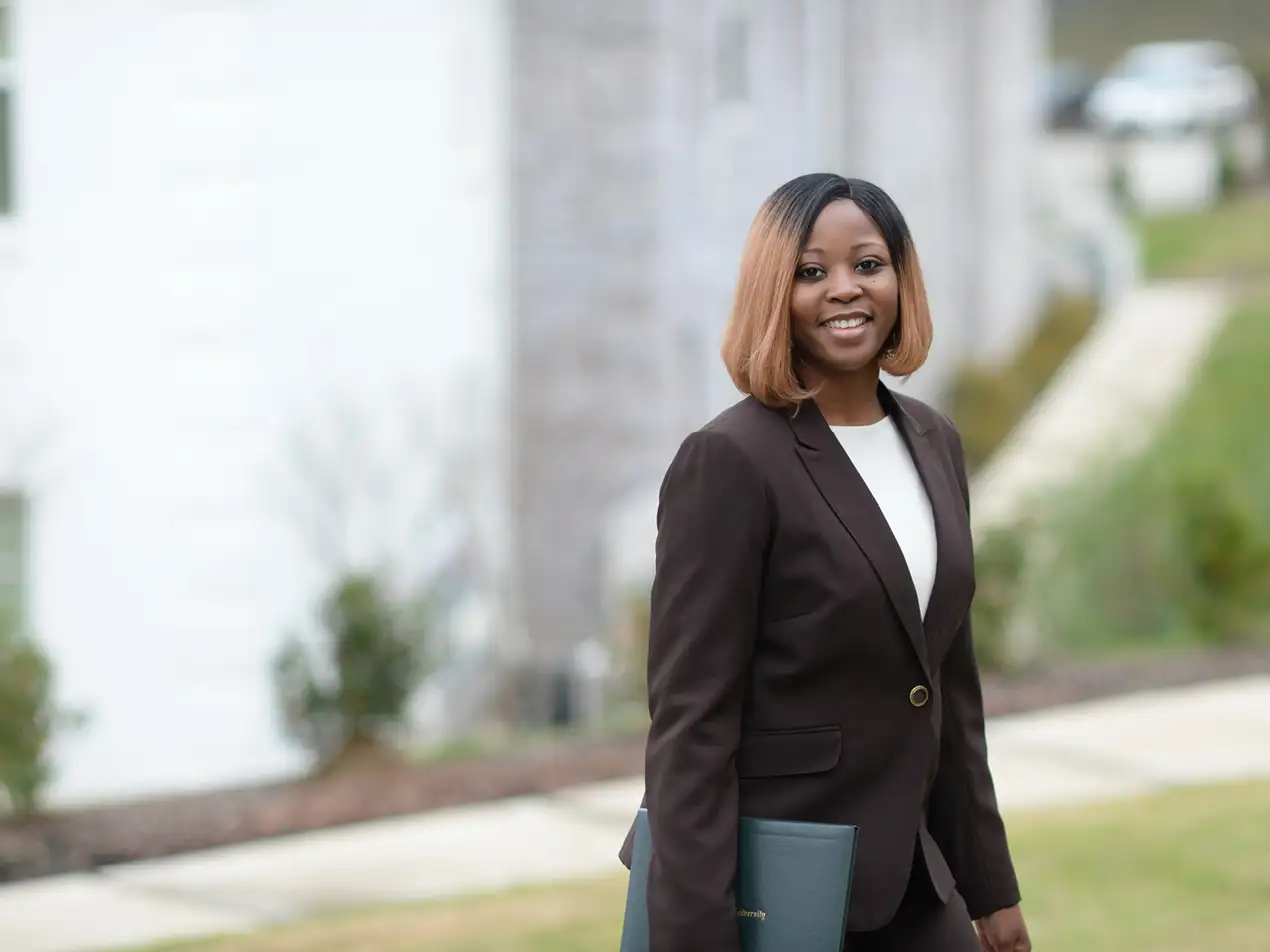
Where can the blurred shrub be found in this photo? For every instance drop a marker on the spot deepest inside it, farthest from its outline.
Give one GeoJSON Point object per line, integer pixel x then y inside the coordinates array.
{"type": "Point", "coordinates": [1229, 177]}
{"type": "Point", "coordinates": [1173, 549]}
{"type": "Point", "coordinates": [375, 653]}
{"type": "Point", "coordinates": [635, 612]}
{"type": "Point", "coordinates": [1000, 560]}
{"type": "Point", "coordinates": [30, 719]}
{"type": "Point", "coordinates": [1118, 186]}
{"type": "Point", "coordinates": [1225, 553]}
{"type": "Point", "coordinates": [1160, 559]}
{"type": "Point", "coordinates": [987, 402]}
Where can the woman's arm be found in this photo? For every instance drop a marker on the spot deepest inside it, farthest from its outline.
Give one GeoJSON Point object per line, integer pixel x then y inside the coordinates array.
{"type": "Point", "coordinates": [712, 529]}
{"type": "Point", "coordinates": [964, 817]}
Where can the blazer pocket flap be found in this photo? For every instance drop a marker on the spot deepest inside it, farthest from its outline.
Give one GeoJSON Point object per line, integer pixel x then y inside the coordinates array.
{"type": "Point", "coordinates": [789, 752]}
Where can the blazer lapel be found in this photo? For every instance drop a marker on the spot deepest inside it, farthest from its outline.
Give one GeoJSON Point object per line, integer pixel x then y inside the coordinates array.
{"type": "Point", "coordinates": [848, 495]}
{"type": "Point", "coordinates": [945, 503]}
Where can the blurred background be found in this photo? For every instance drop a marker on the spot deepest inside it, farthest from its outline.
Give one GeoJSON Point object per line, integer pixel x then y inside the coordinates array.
{"type": "Point", "coordinates": [343, 346]}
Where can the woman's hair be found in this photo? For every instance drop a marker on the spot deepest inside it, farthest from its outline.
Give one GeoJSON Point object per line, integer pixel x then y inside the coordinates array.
{"type": "Point", "coordinates": [758, 343]}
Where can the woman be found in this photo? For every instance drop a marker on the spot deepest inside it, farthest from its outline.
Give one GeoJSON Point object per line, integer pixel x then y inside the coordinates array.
{"type": "Point", "coordinates": [810, 654]}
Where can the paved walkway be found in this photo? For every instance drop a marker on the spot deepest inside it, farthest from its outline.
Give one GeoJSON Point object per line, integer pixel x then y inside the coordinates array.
{"type": "Point", "coordinates": [1089, 752]}
{"type": "Point", "coordinates": [1105, 402]}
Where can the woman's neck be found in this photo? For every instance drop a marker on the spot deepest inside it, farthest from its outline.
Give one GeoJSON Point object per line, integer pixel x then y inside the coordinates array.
{"type": "Point", "coordinates": [847, 399]}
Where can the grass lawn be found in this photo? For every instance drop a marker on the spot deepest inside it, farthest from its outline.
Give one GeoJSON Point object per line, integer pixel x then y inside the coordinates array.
{"type": "Point", "coordinates": [1231, 240]}
{"type": "Point", "coordinates": [1181, 872]}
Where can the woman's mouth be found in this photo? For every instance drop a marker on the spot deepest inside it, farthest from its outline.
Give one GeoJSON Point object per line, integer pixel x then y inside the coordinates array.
{"type": "Point", "coordinates": [847, 323]}
{"type": "Point", "coordinates": [847, 326]}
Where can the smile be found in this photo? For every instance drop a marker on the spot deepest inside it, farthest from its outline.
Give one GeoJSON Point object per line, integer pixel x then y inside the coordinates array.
{"type": "Point", "coordinates": [848, 323]}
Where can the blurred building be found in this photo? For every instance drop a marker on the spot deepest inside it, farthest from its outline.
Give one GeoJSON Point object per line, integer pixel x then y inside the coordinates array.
{"type": "Point", "coordinates": [229, 220]}
{"type": "Point", "coordinates": [646, 135]}
{"type": "Point", "coordinates": [223, 219]}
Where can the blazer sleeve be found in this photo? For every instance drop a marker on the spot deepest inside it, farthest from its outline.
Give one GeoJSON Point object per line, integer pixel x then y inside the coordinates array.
{"type": "Point", "coordinates": [963, 816]}
{"type": "Point", "coordinates": [712, 528]}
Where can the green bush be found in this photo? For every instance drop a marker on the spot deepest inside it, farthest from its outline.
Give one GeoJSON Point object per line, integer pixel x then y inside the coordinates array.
{"type": "Point", "coordinates": [1225, 556]}
{"type": "Point", "coordinates": [636, 611]}
{"type": "Point", "coordinates": [1173, 549]}
{"type": "Point", "coordinates": [1000, 561]}
{"type": "Point", "coordinates": [1162, 558]}
{"type": "Point", "coordinates": [1229, 177]}
{"type": "Point", "coordinates": [30, 720]}
{"type": "Point", "coordinates": [987, 402]}
{"type": "Point", "coordinates": [376, 656]}
{"type": "Point", "coordinates": [1118, 185]}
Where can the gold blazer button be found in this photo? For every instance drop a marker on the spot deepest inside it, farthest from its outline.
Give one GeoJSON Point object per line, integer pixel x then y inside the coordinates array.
{"type": "Point", "coordinates": [919, 696]}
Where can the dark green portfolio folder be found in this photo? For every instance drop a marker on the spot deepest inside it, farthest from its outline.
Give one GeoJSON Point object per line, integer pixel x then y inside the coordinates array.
{"type": "Point", "coordinates": [793, 885]}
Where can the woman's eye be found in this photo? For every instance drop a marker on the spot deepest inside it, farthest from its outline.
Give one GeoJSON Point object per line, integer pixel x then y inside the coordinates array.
{"type": "Point", "coordinates": [811, 272]}
{"type": "Point", "coordinates": [869, 265]}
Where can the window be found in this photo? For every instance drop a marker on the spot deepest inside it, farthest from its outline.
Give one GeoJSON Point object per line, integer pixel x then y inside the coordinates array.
{"type": "Point", "coordinates": [13, 533]}
{"type": "Point", "coordinates": [6, 107]}
{"type": "Point", "coordinates": [732, 74]}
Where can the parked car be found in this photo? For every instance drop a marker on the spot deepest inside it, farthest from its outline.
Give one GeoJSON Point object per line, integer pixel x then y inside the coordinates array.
{"type": "Point", "coordinates": [1173, 87]}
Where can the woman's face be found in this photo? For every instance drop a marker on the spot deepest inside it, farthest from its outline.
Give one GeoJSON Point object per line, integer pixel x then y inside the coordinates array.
{"type": "Point", "coordinates": [846, 296]}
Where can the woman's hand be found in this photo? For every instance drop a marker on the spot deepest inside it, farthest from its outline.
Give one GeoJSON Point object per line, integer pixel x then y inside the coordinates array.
{"type": "Point", "coordinates": [1004, 931]}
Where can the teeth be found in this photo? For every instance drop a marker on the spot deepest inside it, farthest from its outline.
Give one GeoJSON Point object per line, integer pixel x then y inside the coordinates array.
{"type": "Point", "coordinates": [847, 324]}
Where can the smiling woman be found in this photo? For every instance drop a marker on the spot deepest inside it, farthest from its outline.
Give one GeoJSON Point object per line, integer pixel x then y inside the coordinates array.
{"type": "Point", "coordinates": [816, 232]}
{"type": "Point", "coordinates": [814, 573]}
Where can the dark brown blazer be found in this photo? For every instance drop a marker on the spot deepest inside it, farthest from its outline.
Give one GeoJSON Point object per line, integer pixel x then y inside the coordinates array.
{"type": "Point", "coordinates": [791, 674]}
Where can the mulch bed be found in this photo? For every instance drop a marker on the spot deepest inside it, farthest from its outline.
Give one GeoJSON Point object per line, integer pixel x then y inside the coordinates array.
{"type": "Point", "coordinates": [379, 787]}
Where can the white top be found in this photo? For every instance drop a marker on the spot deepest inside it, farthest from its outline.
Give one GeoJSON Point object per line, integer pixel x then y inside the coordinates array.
{"type": "Point", "coordinates": [881, 456]}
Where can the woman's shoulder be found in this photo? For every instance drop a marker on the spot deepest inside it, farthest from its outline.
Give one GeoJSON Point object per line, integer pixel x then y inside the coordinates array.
{"type": "Point", "coordinates": [928, 417]}
{"type": "Point", "coordinates": [748, 425]}
{"type": "Point", "coordinates": [735, 442]}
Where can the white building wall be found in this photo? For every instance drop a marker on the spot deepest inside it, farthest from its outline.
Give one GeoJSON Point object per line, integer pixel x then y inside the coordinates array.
{"type": "Point", "coordinates": [233, 214]}
{"type": "Point", "coordinates": [1008, 283]}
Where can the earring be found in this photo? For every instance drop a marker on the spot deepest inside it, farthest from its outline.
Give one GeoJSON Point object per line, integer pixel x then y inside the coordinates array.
{"type": "Point", "coordinates": [892, 346]}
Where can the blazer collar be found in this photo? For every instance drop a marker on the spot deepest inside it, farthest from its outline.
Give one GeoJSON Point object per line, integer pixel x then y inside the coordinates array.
{"type": "Point", "coordinates": [852, 502]}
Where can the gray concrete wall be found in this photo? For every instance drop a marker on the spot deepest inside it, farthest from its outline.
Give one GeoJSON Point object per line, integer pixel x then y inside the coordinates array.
{"type": "Point", "coordinates": [909, 135]}
{"type": "Point", "coordinates": [588, 390]}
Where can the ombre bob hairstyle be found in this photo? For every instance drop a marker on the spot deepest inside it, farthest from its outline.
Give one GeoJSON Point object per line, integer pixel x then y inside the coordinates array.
{"type": "Point", "coordinates": [758, 344]}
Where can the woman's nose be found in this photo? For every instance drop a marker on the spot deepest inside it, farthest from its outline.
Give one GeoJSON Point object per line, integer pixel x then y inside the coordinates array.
{"type": "Point", "coordinates": [844, 287]}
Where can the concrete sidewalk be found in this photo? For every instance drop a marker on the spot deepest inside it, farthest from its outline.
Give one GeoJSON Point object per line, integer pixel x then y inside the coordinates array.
{"type": "Point", "coordinates": [1068, 433]}
{"type": "Point", "coordinates": [1121, 747]}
